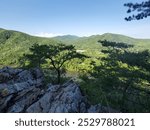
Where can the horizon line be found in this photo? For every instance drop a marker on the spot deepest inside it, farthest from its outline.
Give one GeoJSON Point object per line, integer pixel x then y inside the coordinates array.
{"type": "Point", "coordinates": [52, 35]}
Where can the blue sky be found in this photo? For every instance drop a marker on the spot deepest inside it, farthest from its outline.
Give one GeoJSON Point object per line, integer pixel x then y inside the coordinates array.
{"type": "Point", "coordinates": [76, 17]}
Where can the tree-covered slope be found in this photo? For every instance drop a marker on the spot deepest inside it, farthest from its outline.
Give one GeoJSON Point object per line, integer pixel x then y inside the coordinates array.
{"type": "Point", "coordinates": [115, 72]}
{"type": "Point", "coordinates": [91, 42]}
{"type": "Point", "coordinates": [68, 39]}
{"type": "Point", "coordinates": [14, 44]}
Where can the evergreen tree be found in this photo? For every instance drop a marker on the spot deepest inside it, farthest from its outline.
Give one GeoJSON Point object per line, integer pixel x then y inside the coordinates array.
{"type": "Point", "coordinates": [37, 55]}
{"type": "Point", "coordinates": [142, 9]}
{"type": "Point", "coordinates": [60, 54]}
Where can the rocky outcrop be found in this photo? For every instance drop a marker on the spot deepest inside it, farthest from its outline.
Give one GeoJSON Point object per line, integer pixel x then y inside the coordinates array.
{"type": "Point", "coordinates": [65, 98]}
{"type": "Point", "coordinates": [22, 91]}
{"type": "Point", "coordinates": [19, 88]}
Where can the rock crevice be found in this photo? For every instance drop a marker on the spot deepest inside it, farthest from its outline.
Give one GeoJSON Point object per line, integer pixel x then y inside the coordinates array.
{"type": "Point", "coordinates": [22, 91]}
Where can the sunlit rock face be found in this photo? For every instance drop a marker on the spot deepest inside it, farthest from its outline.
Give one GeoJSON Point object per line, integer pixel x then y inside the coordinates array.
{"type": "Point", "coordinates": [24, 91]}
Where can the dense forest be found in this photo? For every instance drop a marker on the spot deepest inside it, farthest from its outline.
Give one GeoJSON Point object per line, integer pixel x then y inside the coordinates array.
{"type": "Point", "coordinates": [112, 69]}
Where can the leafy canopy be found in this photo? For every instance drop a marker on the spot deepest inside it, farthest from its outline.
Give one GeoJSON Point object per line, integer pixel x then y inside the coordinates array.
{"type": "Point", "coordinates": [56, 55]}
{"type": "Point", "coordinates": [37, 55]}
{"type": "Point", "coordinates": [59, 54]}
{"type": "Point", "coordinates": [142, 9]}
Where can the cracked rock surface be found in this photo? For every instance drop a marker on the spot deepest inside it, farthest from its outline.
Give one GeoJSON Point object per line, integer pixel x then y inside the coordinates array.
{"type": "Point", "coordinates": [22, 91]}
{"type": "Point", "coordinates": [65, 98]}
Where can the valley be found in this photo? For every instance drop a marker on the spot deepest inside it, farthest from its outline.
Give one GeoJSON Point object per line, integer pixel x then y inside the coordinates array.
{"type": "Point", "coordinates": [115, 71]}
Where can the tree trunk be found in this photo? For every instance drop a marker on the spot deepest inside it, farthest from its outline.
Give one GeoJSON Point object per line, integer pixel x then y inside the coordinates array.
{"type": "Point", "coordinates": [58, 76]}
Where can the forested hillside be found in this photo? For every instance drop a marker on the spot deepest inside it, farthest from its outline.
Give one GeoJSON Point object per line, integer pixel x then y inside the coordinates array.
{"type": "Point", "coordinates": [112, 69]}
{"type": "Point", "coordinates": [14, 44]}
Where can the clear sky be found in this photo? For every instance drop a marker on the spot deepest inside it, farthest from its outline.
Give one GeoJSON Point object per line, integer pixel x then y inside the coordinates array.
{"type": "Point", "coordinates": [76, 17]}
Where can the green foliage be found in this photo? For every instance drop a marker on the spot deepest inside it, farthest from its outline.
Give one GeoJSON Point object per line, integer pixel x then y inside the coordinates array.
{"type": "Point", "coordinates": [116, 72]}
{"type": "Point", "coordinates": [18, 44]}
{"type": "Point", "coordinates": [37, 56]}
{"type": "Point", "coordinates": [115, 45]}
{"type": "Point", "coordinates": [139, 59]}
{"type": "Point", "coordinates": [59, 54]}
{"type": "Point", "coordinates": [5, 35]}
{"type": "Point", "coordinates": [56, 55]}
{"type": "Point", "coordinates": [13, 44]}
{"type": "Point", "coordinates": [142, 9]}
{"type": "Point", "coordinates": [67, 39]}
{"type": "Point", "coordinates": [124, 84]}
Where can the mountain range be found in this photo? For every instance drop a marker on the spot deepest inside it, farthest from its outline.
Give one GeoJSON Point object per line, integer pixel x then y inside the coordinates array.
{"type": "Point", "coordinates": [13, 44]}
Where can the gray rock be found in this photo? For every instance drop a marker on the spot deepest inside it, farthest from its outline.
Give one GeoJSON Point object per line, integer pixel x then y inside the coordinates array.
{"type": "Point", "coordinates": [4, 77]}
{"type": "Point", "coordinates": [37, 73]}
{"type": "Point", "coordinates": [24, 76]}
{"type": "Point", "coordinates": [24, 99]}
{"type": "Point", "coordinates": [4, 102]}
{"type": "Point", "coordinates": [60, 99]}
{"type": "Point", "coordinates": [10, 70]}
{"type": "Point", "coordinates": [22, 91]}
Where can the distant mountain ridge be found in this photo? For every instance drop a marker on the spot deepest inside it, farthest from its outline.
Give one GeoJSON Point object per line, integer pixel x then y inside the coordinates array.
{"type": "Point", "coordinates": [109, 36]}
{"type": "Point", "coordinates": [14, 44]}
{"type": "Point", "coordinates": [91, 41]}
{"type": "Point", "coordinates": [73, 37]}
{"type": "Point", "coordinates": [66, 38]}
